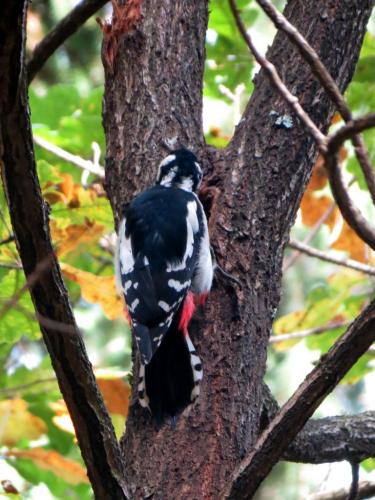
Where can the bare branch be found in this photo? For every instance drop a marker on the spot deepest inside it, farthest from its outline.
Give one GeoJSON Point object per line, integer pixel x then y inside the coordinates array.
{"type": "Point", "coordinates": [294, 414]}
{"type": "Point", "coordinates": [63, 30]}
{"type": "Point", "coordinates": [349, 211]}
{"type": "Point", "coordinates": [10, 265]}
{"type": "Point", "coordinates": [314, 231]}
{"type": "Point", "coordinates": [314, 252]}
{"type": "Point", "coordinates": [327, 82]}
{"type": "Point", "coordinates": [87, 165]}
{"type": "Point", "coordinates": [274, 77]}
{"type": "Point", "coordinates": [7, 240]}
{"type": "Point", "coordinates": [274, 339]}
{"type": "Point", "coordinates": [366, 489]}
{"type": "Point", "coordinates": [348, 131]}
{"type": "Point", "coordinates": [16, 389]}
{"type": "Point", "coordinates": [334, 439]}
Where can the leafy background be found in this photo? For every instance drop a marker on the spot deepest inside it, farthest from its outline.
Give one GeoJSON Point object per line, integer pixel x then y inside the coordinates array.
{"type": "Point", "coordinates": [39, 454]}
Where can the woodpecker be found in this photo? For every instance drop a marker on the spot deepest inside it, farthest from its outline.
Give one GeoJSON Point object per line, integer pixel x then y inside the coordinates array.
{"type": "Point", "coordinates": [164, 269]}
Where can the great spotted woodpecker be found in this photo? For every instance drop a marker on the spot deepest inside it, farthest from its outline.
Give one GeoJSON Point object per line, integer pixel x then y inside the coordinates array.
{"type": "Point", "coordinates": [164, 267]}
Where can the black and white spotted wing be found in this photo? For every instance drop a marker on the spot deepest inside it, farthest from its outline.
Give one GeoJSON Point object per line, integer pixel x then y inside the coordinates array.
{"type": "Point", "coordinates": [159, 250]}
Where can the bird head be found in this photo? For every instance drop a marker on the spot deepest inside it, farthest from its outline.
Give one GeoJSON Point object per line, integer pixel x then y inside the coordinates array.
{"type": "Point", "coordinates": [180, 169]}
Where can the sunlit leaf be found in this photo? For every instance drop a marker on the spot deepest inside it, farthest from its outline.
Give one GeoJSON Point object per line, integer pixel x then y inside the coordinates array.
{"type": "Point", "coordinates": [348, 241]}
{"type": "Point", "coordinates": [70, 471]}
{"type": "Point", "coordinates": [18, 315]}
{"type": "Point", "coordinates": [96, 290]}
{"type": "Point", "coordinates": [69, 238]}
{"type": "Point", "coordinates": [16, 422]}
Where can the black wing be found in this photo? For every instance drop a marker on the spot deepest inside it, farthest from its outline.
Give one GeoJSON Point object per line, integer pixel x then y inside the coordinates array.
{"type": "Point", "coordinates": [158, 250]}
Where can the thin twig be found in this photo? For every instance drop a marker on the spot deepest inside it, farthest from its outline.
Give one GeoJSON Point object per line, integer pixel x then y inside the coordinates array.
{"type": "Point", "coordinates": [314, 231]}
{"type": "Point", "coordinates": [7, 240]}
{"type": "Point", "coordinates": [31, 280]}
{"type": "Point", "coordinates": [274, 77]}
{"type": "Point", "coordinates": [10, 391]}
{"type": "Point", "coordinates": [87, 165]}
{"type": "Point", "coordinates": [314, 252]}
{"type": "Point", "coordinates": [275, 339]}
{"type": "Point", "coordinates": [63, 30]}
{"type": "Point", "coordinates": [327, 82]}
{"type": "Point", "coordinates": [10, 265]}
{"type": "Point", "coordinates": [348, 130]}
{"type": "Point", "coordinates": [366, 489]}
{"type": "Point", "coordinates": [353, 493]}
{"type": "Point", "coordinates": [328, 146]}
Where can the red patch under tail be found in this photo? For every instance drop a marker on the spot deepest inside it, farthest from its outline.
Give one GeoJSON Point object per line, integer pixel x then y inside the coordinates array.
{"type": "Point", "coordinates": [187, 312]}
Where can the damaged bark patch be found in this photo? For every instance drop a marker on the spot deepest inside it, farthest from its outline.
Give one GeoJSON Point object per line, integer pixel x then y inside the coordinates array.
{"type": "Point", "coordinates": [125, 18]}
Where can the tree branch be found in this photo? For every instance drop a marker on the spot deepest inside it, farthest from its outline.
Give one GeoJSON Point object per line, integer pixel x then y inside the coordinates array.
{"type": "Point", "coordinates": [327, 82]}
{"type": "Point", "coordinates": [314, 252]}
{"type": "Point", "coordinates": [86, 165]}
{"type": "Point", "coordinates": [349, 211]}
{"type": "Point", "coordinates": [329, 439]}
{"type": "Point", "coordinates": [61, 32]}
{"type": "Point", "coordinates": [366, 489]}
{"type": "Point", "coordinates": [274, 339]}
{"type": "Point", "coordinates": [274, 77]}
{"type": "Point", "coordinates": [294, 414]}
{"type": "Point", "coordinates": [334, 439]}
{"type": "Point", "coordinates": [314, 231]}
{"type": "Point", "coordinates": [29, 216]}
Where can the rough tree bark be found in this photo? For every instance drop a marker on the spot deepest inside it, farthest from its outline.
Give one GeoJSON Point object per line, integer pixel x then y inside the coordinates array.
{"type": "Point", "coordinates": [153, 96]}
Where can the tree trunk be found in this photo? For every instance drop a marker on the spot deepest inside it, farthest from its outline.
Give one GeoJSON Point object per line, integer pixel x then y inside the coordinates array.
{"type": "Point", "coordinates": [153, 96]}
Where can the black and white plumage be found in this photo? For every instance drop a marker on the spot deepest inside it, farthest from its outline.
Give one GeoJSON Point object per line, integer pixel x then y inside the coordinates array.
{"type": "Point", "coordinates": [164, 266]}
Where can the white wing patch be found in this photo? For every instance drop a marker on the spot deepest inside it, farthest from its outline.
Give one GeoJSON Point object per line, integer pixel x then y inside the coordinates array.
{"type": "Point", "coordinates": [124, 253]}
{"type": "Point", "coordinates": [177, 285]}
{"type": "Point", "coordinates": [192, 227]}
{"type": "Point", "coordinates": [163, 305]}
{"type": "Point", "coordinates": [133, 305]}
{"type": "Point", "coordinates": [203, 276]}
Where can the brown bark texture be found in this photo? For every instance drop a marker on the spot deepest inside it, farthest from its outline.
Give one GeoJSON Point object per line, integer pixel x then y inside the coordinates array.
{"type": "Point", "coordinates": [153, 97]}
{"type": "Point", "coordinates": [29, 216]}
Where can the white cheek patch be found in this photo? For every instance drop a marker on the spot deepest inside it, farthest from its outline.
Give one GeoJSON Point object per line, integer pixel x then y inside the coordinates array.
{"type": "Point", "coordinates": [186, 184]}
{"type": "Point", "coordinates": [168, 178]}
{"type": "Point", "coordinates": [167, 160]}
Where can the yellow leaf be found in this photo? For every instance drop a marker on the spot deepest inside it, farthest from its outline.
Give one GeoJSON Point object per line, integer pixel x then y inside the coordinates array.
{"type": "Point", "coordinates": [97, 290]}
{"type": "Point", "coordinates": [68, 470]}
{"type": "Point", "coordinates": [115, 393]}
{"type": "Point", "coordinates": [314, 207]}
{"type": "Point", "coordinates": [286, 324]}
{"type": "Point", "coordinates": [319, 177]}
{"type": "Point", "coordinates": [16, 422]}
{"type": "Point", "coordinates": [348, 241]}
{"type": "Point", "coordinates": [69, 238]}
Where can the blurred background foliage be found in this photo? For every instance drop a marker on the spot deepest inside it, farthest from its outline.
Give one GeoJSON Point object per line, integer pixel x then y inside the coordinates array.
{"type": "Point", "coordinates": [39, 454]}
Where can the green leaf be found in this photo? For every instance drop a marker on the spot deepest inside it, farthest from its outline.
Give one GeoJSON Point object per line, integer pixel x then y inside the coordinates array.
{"type": "Point", "coordinates": [17, 319]}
